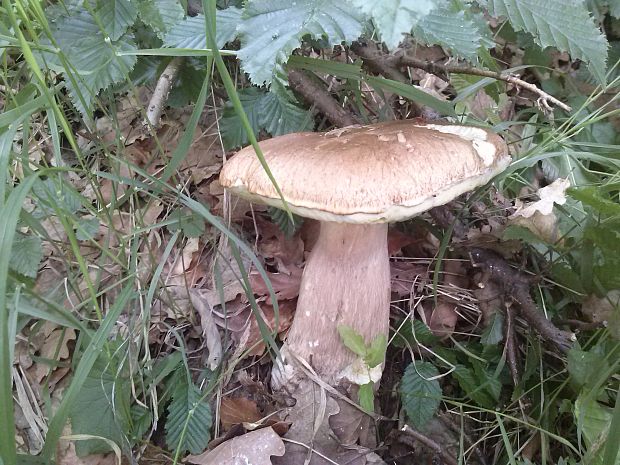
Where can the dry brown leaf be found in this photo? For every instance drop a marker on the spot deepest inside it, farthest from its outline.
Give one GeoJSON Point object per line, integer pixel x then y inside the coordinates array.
{"type": "Point", "coordinates": [443, 319]}
{"type": "Point", "coordinates": [404, 275]}
{"type": "Point", "coordinates": [604, 310]}
{"type": "Point", "coordinates": [285, 285]}
{"type": "Point", "coordinates": [252, 332]}
{"type": "Point", "coordinates": [253, 448]}
{"type": "Point", "coordinates": [237, 410]}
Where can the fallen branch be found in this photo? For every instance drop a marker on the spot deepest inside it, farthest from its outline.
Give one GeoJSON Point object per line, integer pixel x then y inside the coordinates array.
{"type": "Point", "coordinates": [389, 64]}
{"type": "Point", "coordinates": [160, 94]}
{"type": "Point", "coordinates": [516, 286]}
{"type": "Point", "coordinates": [316, 95]}
{"type": "Point", "coordinates": [410, 433]}
{"type": "Point", "coordinates": [443, 70]}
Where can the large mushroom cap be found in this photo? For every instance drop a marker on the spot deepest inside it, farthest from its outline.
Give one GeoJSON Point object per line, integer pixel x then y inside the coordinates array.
{"type": "Point", "coordinates": [366, 174]}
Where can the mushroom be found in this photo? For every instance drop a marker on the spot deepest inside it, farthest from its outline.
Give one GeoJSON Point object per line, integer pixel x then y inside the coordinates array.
{"type": "Point", "coordinates": [355, 181]}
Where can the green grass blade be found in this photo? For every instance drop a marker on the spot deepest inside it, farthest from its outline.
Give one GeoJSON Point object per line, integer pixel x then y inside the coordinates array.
{"type": "Point", "coordinates": [210, 7]}
{"type": "Point", "coordinates": [9, 212]}
{"type": "Point", "coordinates": [92, 351]}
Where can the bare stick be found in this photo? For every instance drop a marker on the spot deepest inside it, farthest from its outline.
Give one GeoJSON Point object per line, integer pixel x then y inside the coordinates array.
{"type": "Point", "coordinates": [160, 94]}
{"type": "Point", "coordinates": [442, 70]}
{"type": "Point", "coordinates": [428, 442]}
{"type": "Point", "coordinates": [315, 94]}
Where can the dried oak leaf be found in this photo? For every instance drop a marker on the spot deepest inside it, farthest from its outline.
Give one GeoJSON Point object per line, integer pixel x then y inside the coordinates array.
{"type": "Point", "coordinates": [253, 448]}
{"type": "Point", "coordinates": [236, 410]}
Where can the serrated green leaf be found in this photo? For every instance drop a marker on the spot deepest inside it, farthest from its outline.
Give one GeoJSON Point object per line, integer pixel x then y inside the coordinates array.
{"type": "Point", "coordinates": [472, 387]}
{"type": "Point", "coordinates": [366, 394]}
{"type": "Point", "coordinates": [271, 29]}
{"type": "Point", "coordinates": [585, 367]}
{"type": "Point", "coordinates": [26, 255]}
{"type": "Point", "coordinates": [233, 133]}
{"type": "Point", "coordinates": [563, 24]}
{"type": "Point", "coordinates": [93, 63]}
{"type": "Point", "coordinates": [102, 407]}
{"type": "Point", "coordinates": [86, 228]}
{"type": "Point", "coordinates": [265, 110]}
{"type": "Point", "coordinates": [283, 221]}
{"type": "Point", "coordinates": [98, 67]}
{"type": "Point", "coordinates": [191, 33]}
{"type": "Point", "coordinates": [116, 16]}
{"type": "Point", "coordinates": [452, 30]}
{"type": "Point", "coordinates": [280, 116]}
{"type": "Point", "coordinates": [161, 15]}
{"type": "Point", "coordinates": [188, 85]}
{"type": "Point", "coordinates": [375, 354]}
{"type": "Point", "coordinates": [494, 332]}
{"type": "Point", "coordinates": [354, 341]}
{"type": "Point", "coordinates": [393, 18]}
{"type": "Point", "coordinates": [420, 394]}
{"type": "Point", "coordinates": [189, 419]}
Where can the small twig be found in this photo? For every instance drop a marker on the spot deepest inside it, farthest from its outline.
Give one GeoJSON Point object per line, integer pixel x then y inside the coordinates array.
{"type": "Point", "coordinates": [317, 95]}
{"type": "Point", "coordinates": [511, 349]}
{"type": "Point", "coordinates": [428, 442]}
{"type": "Point", "coordinates": [389, 64]}
{"type": "Point", "coordinates": [442, 70]}
{"type": "Point", "coordinates": [516, 287]}
{"type": "Point", "coordinates": [379, 62]}
{"type": "Point", "coordinates": [160, 94]}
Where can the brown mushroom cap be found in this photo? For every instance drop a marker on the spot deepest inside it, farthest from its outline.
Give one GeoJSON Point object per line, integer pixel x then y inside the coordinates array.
{"type": "Point", "coordinates": [367, 174]}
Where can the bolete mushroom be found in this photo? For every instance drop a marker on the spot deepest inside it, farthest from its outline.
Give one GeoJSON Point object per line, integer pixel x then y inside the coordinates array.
{"type": "Point", "coordinates": [356, 180]}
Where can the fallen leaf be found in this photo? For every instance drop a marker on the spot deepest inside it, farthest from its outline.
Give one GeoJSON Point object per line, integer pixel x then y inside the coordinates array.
{"type": "Point", "coordinates": [604, 310]}
{"type": "Point", "coordinates": [253, 448]}
{"type": "Point", "coordinates": [285, 286]}
{"type": "Point", "coordinates": [237, 410]}
{"type": "Point", "coordinates": [404, 275]}
{"type": "Point", "coordinates": [209, 329]}
{"type": "Point", "coordinates": [443, 319]}
{"type": "Point", "coordinates": [554, 193]}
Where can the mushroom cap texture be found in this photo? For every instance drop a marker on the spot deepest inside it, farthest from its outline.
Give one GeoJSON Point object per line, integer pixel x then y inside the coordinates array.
{"type": "Point", "coordinates": [369, 174]}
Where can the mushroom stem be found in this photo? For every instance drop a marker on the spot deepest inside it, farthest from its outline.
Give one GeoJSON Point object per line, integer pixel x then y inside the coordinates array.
{"type": "Point", "coordinates": [346, 281]}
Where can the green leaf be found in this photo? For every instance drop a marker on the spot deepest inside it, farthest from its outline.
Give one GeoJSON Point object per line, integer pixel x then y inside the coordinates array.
{"type": "Point", "coordinates": [271, 29]}
{"type": "Point", "coordinates": [116, 16]}
{"type": "Point", "coordinates": [265, 110]}
{"type": "Point", "coordinates": [452, 30]}
{"type": "Point", "coordinates": [614, 8]}
{"type": "Point", "coordinates": [102, 407]}
{"type": "Point", "coordinates": [366, 394]}
{"type": "Point", "coordinates": [593, 421]}
{"type": "Point", "coordinates": [86, 228]}
{"type": "Point", "coordinates": [593, 197]}
{"type": "Point", "coordinates": [189, 419]}
{"type": "Point", "coordinates": [471, 386]}
{"type": "Point", "coordinates": [585, 367]}
{"type": "Point", "coordinates": [191, 224]}
{"type": "Point", "coordinates": [161, 15]}
{"type": "Point", "coordinates": [563, 24]}
{"type": "Point", "coordinates": [93, 62]}
{"type": "Point", "coordinates": [283, 221]}
{"type": "Point", "coordinates": [191, 33]}
{"type": "Point", "coordinates": [420, 394]}
{"type": "Point", "coordinates": [26, 255]}
{"type": "Point", "coordinates": [375, 354]}
{"type": "Point", "coordinates": [393, 18]}
{"type": "Point", "coordinates": [355, 342]}
{"type": "Point", "coordinates": [493, 333]}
